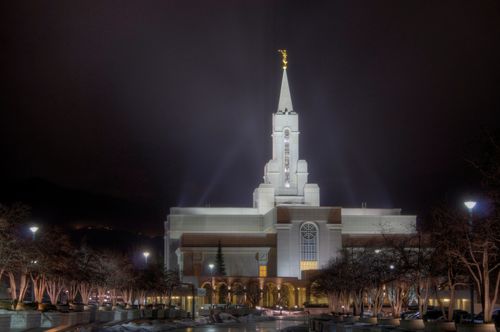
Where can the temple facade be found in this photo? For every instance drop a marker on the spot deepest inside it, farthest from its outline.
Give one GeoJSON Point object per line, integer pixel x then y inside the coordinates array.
{"type": "Point", "coordinates": [283, 238]}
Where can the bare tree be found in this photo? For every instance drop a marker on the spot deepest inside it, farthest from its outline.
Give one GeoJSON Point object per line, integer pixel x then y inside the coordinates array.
{"type": "Point", "coordinates": [415, 260]}
{"type": "Point", "coordinates": [82, 273]}
{"type": "Point", "coordinates": [54, 258]}
{"type": "Point", "coordinates": [449, 271]}
{"type": "Point", "coordinates": [334, 280]}
{"type": "Point", "coordinates": [478, 251]}
{"type": "Point", "coordinates": [14, 252]}
{"type": "Point", "coordinates": [349, 277]}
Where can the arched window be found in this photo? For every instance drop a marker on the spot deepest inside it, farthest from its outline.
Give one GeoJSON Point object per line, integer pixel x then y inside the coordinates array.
{"type": "Point", "coordinates": [308, 246]}
{"type": "Point", "coordinates": [286, 157]}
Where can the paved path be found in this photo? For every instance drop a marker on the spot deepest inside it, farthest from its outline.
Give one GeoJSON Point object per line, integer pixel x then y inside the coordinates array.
{"type": "Point", "coordinates": [267, 326]}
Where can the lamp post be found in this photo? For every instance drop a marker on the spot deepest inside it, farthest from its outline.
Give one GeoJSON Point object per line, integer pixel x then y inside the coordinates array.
{"type": "Point", "coordinates": [33, 230]}
{"type": "Point", "coordinates": [211, 267]}
{"type": "Point", "coordinates": [146, 255]}
{"type": "Point", "coordinates": [470, 205]}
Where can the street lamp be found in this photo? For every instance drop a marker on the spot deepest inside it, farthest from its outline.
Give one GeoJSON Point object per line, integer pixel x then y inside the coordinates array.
{"type": "Point", "coordinates": [146, 255]}
{"type": "Point", "coordinates": [211, 267]}
{"type": "Point", "coordinates": [470, 205]}
{"type": "Point", "coordinates": [33, 230]}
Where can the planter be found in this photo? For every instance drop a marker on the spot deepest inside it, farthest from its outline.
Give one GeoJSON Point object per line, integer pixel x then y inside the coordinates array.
{"type": "Point", "coordinates": [104, 308]}
{"type": "Point", "coordinates": [383, 328]}
{"type": "Point", "coordinates": [439, 326]}
{"type": "Point", "coordinates": [389, 321]}
{"type": "Point", "coordinates": [133, 314]}
{"type": "Point", "coordinates": [329, 326]}
{"type": "Point", "coordinates": [25, 320]}
{"type": "Point", "coordinates": [344, 327]}
{"type": "Point", "coordinates": [77, 307]}
{"type": "Point", "coordinates": [46, 307]}
{"type": "Point", "coordinates": [488, 327]}
{"type": "Point", "coordinates": [51, 319]}
{"type": "Point", "coordinates": [368, 320]}
{"type": "Point", "coordinates": [147, 313]}
{"type": "Point", "coordinates": [105, 316]}
{"type": "Point", "coordinates": [62, 307]}
{"type": "Point", "coordinates": [361, 328]}
{"type": "Point", "coordinates": [172, 313]}
{"type": "Point", "coordinates": [4, 322]}
{"type": "Point", "coordinates": [161, 314]}
{"type": "Point", "coordinates": [412, 324]}
{"type": "Point", "coordinates": [92, 309]}
{"type": "Point", "coordinates": [69, 318]}
{"type": "Point", "coordinates": [82, 317]}
{"type": "Point", "coordinates": [120, 315]}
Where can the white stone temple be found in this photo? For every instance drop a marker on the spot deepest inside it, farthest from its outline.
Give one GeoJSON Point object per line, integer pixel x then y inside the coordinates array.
{"type": "Point", "coordinates": [286, 232]}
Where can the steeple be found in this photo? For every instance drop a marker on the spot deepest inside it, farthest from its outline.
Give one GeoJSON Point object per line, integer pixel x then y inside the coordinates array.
{"type": "Point", "coordinates": [285, 175]}
{"type": "Point", "coordinates": [285, 101]}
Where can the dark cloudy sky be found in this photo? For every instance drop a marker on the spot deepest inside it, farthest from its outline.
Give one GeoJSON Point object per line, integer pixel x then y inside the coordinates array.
{"type": "Point", "coordinates": [113, 111]}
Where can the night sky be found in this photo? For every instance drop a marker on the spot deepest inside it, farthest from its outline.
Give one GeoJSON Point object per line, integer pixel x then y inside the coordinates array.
{"type": "Point", "coordinates": [114, 111]}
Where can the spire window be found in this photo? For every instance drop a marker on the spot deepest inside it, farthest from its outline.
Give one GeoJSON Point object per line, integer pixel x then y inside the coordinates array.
{"type": "Point", "coordinates": [286, 156]}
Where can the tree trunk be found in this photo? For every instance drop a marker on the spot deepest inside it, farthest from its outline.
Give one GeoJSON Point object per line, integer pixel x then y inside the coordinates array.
{"type": "Point", "coordinates": [39, 284]}
{"type": "Point", "coordinates": [13, 286]}
{"type": "Point", "coordinates": [127, 294]}
{"type": "Point", "coordinates": [142, 297]}
{"type": "Point", "coordinates": [84, 289]}
{"type": "Point", "coordinates": [72, 291]}
{"type": "Point", "coordinates": [358, 301]}
{"type": "Point", "coordinates": [113, 297]}
{"type": "Point", "coordinates": [18, 290]}
{"type": "Point", "coordinates": [54, 288]}
{"type": "Point", "coordinates": [101, 294]}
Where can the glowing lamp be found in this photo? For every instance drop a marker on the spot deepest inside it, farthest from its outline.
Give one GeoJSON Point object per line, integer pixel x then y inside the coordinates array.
{"type": "Point", "coordinates": [470, 204]}
{"type": "Point", "coordinates": [146, 255]}
{"type": "Point", "coordinates": [33, 230]}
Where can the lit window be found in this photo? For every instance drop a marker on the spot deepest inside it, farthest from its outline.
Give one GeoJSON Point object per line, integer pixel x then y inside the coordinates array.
{"type": "Point", "coordinates": [308, 265]}
{"type": "Point", "coordinates": [262, 271]}
{"type": "Point", "coordinates": [308, 246]}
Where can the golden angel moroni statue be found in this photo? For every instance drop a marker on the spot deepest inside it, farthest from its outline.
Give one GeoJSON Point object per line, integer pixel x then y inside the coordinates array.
{"type": "Point", "coordinates": [285, 56]}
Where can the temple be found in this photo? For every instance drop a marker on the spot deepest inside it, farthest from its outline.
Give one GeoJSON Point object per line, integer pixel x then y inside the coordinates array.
{"type": "Point", "coordinates": [281, 240]}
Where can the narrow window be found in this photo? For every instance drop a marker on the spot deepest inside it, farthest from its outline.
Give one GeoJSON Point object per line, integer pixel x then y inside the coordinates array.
{"type": "Point", "coordinates": [286, 157]}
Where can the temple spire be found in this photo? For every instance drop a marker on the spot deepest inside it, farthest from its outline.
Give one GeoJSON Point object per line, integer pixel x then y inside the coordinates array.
{"type": "Point", "coordinates": [285, 101]}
